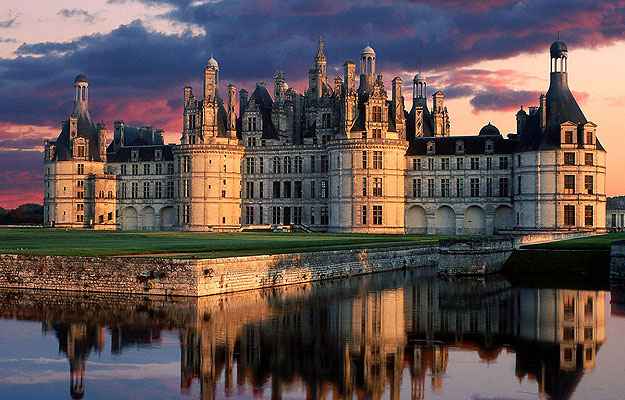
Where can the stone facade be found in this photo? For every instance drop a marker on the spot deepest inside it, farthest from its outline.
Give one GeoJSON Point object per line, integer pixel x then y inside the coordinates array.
{"type": "Point", "coordinates": [339, 157]}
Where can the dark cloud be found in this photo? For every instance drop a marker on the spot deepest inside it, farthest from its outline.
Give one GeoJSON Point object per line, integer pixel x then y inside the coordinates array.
{"type": "Point", "coordinates": [21, 177]}
{"type": "Point", "coordinates": [9, 22]}
{"type": "Point", "coordinates": [21, 143]}
{"type": "Point", "coordinates": [503, 99]}
{"type": "Point", "coordinates": [7, 40]}
{"type": "Point", "coordinates": [77, 13]}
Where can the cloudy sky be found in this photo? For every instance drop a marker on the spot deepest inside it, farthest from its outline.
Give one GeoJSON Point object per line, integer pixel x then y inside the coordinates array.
{"type": "Point", "coordinates": [489, 57]}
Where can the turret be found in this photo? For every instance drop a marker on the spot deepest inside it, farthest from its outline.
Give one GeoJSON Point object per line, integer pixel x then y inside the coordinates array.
{"type": "Point", "coordinates": [211, 79]}
{"type": "Point", "coordinates": [521, 120]}
{"type": "Point", "coordinates": [419, 90]}
{"type": "Point", "coordinates": [81, 97]}
{"type": "Point", "coordinates": [398, 106]}
{"type": "Point", "coordinates": [367, 69]}
{"type": "Point", "coordinates": [210, 106]}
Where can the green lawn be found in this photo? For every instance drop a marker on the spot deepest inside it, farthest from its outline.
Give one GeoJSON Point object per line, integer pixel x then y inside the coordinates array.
{"type": "Point", "coordinates": [188, 244]}
{"type": "Point", "coordinates": [600, 242]}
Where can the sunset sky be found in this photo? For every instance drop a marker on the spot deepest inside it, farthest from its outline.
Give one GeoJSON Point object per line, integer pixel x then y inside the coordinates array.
{"type": "Point", "coordinates": [489, 57]}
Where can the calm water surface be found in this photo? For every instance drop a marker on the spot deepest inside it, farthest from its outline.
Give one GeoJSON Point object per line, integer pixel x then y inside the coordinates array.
{"type": "Point", "coordinates": [395, 335]}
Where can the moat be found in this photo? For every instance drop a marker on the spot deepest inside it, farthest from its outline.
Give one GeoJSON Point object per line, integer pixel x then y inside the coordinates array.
{"type": "Point", "coordinates": [388, 335]}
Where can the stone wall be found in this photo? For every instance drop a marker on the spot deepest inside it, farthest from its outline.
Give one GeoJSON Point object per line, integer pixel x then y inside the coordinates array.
{"type": "Point", "coordinates": [243, 273]}
{"type": "Point", "coordinates": [617, 260]}
{"type": "Point", "coordinates": [478, 256]}
{"type": "Point", "coordinates": [149, 275]}
{"type": "Point", "coordinates": [164, 276]}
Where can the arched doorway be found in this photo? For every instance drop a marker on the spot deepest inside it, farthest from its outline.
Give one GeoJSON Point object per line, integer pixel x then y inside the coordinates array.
{"type": "Point", "coordinates": [129, 219]}
{"type": "Point", "coordinates": [168, 218]}
{"type": "Point", "coordinates": [416, 221]}
{"type": "Point", "coordinates": [445, 221]}
{"type": "Point", "coordinates": [474, 221]}
{"type": "Point", "coordinates": [504, 218]}
{"type": "Point", "coordinates": [147, 218]}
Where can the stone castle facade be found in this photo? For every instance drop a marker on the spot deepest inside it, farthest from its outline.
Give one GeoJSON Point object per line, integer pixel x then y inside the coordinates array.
{"type": "Point", "coordinates": [344, 156]}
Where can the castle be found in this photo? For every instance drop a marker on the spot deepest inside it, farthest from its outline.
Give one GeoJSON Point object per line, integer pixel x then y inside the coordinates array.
{"type": "Point", "coordinates": [341, 157]}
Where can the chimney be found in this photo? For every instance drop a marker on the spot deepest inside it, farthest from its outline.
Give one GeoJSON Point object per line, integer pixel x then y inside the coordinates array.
{"type": "Point", "coordinates": [543, 112]}
{"type": "Point", "coordinates": [350, 76]}
{"type": "Point", "coordinates": [243, 99]}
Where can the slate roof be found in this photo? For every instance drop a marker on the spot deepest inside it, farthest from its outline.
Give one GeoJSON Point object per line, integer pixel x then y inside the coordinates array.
{"type": "Point", "coordinates": [146, 153]}
{"type": "Point", "coordinates": [265, 104]}
{"type": "Point", "coordinates": [472, 145]}
{"type": "Point", "coordinates": [428, 122]}
{"type": "Point", "coordinates": [87, 130]}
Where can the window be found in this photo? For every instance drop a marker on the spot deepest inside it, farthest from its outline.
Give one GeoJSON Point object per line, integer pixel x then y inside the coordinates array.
{"type": "Point", "coordinates": [80, 183]}
{"type": "Point", "coordinates": [299, 165]}
{"type": "Point", "coordinates": [81, 169]}
{"type": "Point", "coordinates": [377, 134]}
{"type": "Point", "coordinates": [569, 158]}
{"type": "Point", "coordinates": [170, 168]}
{"type": "Point", "coordinates": [249, 190]}
{"type": "Point", "coordinates": [588, 216]}
{"type": "Point", "coordinates": [430, 148]}
{"type": "Point", "coordinates": [503, 162]}
{"type": "Point", "coordinates": [363, 215]}
{"type": "Point", "coordinates": [187, 164]}
{"type": "Point", "coordinates": [170, 189]}
{"type": "Point", "coordinates": [324, 189]}
{"type": "Point", "coordinates": [124, 170]}
{"type": "Point", "coordinates": [324, 215]}
{"type": "Point", "coordinates": [416, 164]}
{"type": "Point", "coordinates": [364, 160]}
{"type": "Point", "coordinates": [297, 215]}
{"type": "Point", "coordinates": [313, 192]}
{"type": "Point", "coordinates": [430, 187]}
{"type": "Point", "coordinates": [287, 190]}
{"type": "Point", "coordinates": [589, 138]}
{"type": "Point", "coordinates": [589, 159]}
{"type": "Point", "coordinates": [261, 189]}
{"type": "Point", "coordinates": [287, 165]}
{"type": "Point", "coordinates": [588, 307]}
{"type": "Point", "coordinates": [313, 164]}
{"type": "Point", "coordinates": [135, 169]}
{"type": "Point", "coordinates": [416, 188]}
{"type": "Point", "coordinates": [109, 216]}
{"type": "Point", "coordinates": [80, 152]}
{"type": "Point", "coordinates": [459, 147]}
{"type": "Point", "coordinates": [489, 163]}
{"type": "Point", "coordinates": [568, 333]}
{"type": "Point", "coordinates": [146, 190]}
{"type": "Point", "coordinates": [249, 215]}
{"type": "Point", "coordinates": [134, 190]}
{"type": "Point", "coordinates": [276, 189]}
{"type": "Point", "coordinates": [377, 187]}
{"type": "Point", "coordinates": [569, 215]}
{"type": "Point", "coordinates": [569, 183]}
{"type": "Point", "coordinates": [503, 187]}
{"type": "Point", "coordinates": [80, 207]}
{"type": "Point", "coordinates": [276, 165]}
{"type": "Point", "coordinates": [297, 189]}
{"type": "Point", "coordinates": [430, 164]}
{"type": "Point", "coordinates": [186, 188]}
{"type": "Point", "coordinates": [377, 160]}
{"type": "Point", "coordinates": [146, 169]}
{"type": "Point", "coordinates": [159, 169]}
{"type": "Point", "coordinates": [568, 137]}
{"type": "Point", "coordinates": [589, 184]}
{"type": "Point", "coordinates": [364, 186]}
{"type": "Point", "coordinates": [475, 163]}
{"type": "Point", "coordinates": [445, 164]}
{"type": "Point", "coordinates": [158, 186]}
{"type": "Point", "coordinates": [475, 187]}
{"type": "Point", "coordinates": [186, 214]}
{"type": "Point", "coordinates": [519, 184]}
{"type": "Point", "coordinates": [377, 215]}
{"type": "Point", "coordinates": [251, 123]}
{"type": "Point", "coordinates": [489, 147]}
{"type": "Point", "coordinates": [250, 165]}
{"type": "Point", "coordinates": [261, 165]}
{"type": "Point", "coordinates": [489, 187]}
{"type": "Point", "coordinates": [377, 114]}
{"type": "Point", "coordinates": [445, 187]}
{"type": "Point", "coordinates": [460, 163]}
{"type": "Point", "coordinates": [324, 163]}
{"type": "Point", "coordinates": [275, 215]}
{"type": "Point", "coordinates": [460, 187]}
{"type": "Point", "coordinates": [588, 334]}
{"type": "Point", "coordinates": [568, 354]}
{"type": "Point", "coordinates": [326, 121]}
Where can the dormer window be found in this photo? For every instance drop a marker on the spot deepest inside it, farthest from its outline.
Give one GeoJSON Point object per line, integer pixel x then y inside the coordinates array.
{"type": "Point", "coordinates": [489, 147]}
{"type": "Point", "coordinates": [134, 155]}
{"type": "Point", "coordinates": [80, 151]}
{"type": "Point", "coordinates": [430, 148]}
{"type": "Point", "coordinates": [377, 114]}
{"type": "Point", "coordinates": [568, 137]}
{"type": "Point", "coordinates": [158, 155]}
{"type": "Point", "coordinates": [251, 123]}
{"type": "Point", "coordinates": [589, 138]}
{"type": "Point", "coordinates": [459, 147]}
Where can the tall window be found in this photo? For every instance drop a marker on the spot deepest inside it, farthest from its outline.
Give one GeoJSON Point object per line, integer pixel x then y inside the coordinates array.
{"type": "Point", "coordinates": [489, 187]}
{"type": "Point", "coordinates": [287, 190]}
{"type": "Point", "coordinates": [519, 184]}
{"type": "Point", "coordinates": [324, 189]}
{"type": "Point", "coordinates": [475, 163]}
{"type": "Point", "coordinates": [297, 189]}
{"type": "Point", "coordinates": [81, 169]}
{"type": "Point", "coordinates": [377, 160]}
{"type": "Point", "coordinates": [364, 215]}
{"type": "Point", "coordinates": [364, 186]}
{"type": "Point", "coordinates": [250, 165]}
{"type": "Point", "coordinates": [287, 165]}
{"type": "Point", "coordinates": [569, 215]}
{"type": "Point", "coordinates": [589, 184]}
{"type": "Point", "coordinates": [276, 190]}
{"type": "Point", "coordinates": [159, 169]}
{"type": "Point", "coordinates": [251, 123]}
{"type": "Point", "coordinates": [323, 214]}
{"type": "Point", "coordinates": [261, 165]}
{"type": "Point", "coordinates": [475, 187]}
{"type": "Point", "coordinates": [431, 164]}
{"type": "Point", "coordinates": [249, 190]}
{"type": "Point", "coordinates": [313, 164]}
{"type": "Point", "coordinates": [326, 122]}
{"type": "Point", "coordinates": [503, 162]}
{"type": "Point", "coordinates": [261, 189]}
{"type": "Point", "coordinates": [569, 183]}
{"type": "Point", "coordinates": [445, 164]}
{"type": "Point", "coordinates": [460, 187]}
{"type": "Point", "coordinates": [416, 164]}
{"type": "Point", "coordinates": [568, 137]}
{"type": "Point", "coordinates": [276, 165]}
{"type": "Point", "coordinates": [489, 163]}
{"type": "Point", "coordinates": [377, 187]}
{"type": "Point", "coordinates": [146, 169]}
{"type": "Point", "coordinates": [377, 114]}
{"type": "Point", "coordinates": [589, 138]}
{"type": "Point", "coordinates": [313, 192]}
{"type": "Point", "coordinates": [503, 186]}
{"type": "Point", "coordinates": [324, 163]}
{"type": "Point", "coordinates": [430, 187]}
{"type": "Point", "coordinates": [589, 159]}
{"type": "Point", "coordinates": [134, 188]}
{"type": "Point", "coordinates": [249, 215]}
{"type": "Point", "coordinates": [377, 215]}
{"type": "Point", "coordinates": [158, 190]}
{"type": "Point", "coordinates": [364, 160]}
{"type": "Point", "coordinates": [445, 187]}
{"type": "Point", "coordinates": [588, 216]}
{"type": "Point", "coordinates": [416, 188]}
{"type": "Point", "coordinates": [170, 189]}
{"type": "Point", "coordinates": [299, 165]}
{"type": "Point", "coordinates": [460, 163]}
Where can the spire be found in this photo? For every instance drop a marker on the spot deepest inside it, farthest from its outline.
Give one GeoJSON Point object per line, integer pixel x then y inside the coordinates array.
{"type": "Point", "coordinates": [321, 50]}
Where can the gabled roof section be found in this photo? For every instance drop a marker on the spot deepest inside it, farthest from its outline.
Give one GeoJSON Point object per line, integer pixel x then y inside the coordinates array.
{"type": "Point", "coordinates": [263, 100]}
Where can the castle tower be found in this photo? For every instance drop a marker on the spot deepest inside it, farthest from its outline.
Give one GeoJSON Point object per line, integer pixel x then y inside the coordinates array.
{"type": "Point", "coordinates": [210, 106]}
{"type": "Point", "coordinates": [419, 103]}
{"type": "Point", "coordinates": [367, 69]}
{"type": "Point", "coordinates": [81, 97]}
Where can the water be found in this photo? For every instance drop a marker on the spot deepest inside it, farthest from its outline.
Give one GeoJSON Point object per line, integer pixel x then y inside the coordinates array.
{"type": "Point", "coordinates": [394, 335]}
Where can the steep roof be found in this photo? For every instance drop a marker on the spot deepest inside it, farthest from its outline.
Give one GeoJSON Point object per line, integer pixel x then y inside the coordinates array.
{"type": "Point", "coordinates": [263, 100]}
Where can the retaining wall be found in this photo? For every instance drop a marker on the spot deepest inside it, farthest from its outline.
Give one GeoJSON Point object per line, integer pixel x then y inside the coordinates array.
{"type": "Point", "coordinates": [617, 260]}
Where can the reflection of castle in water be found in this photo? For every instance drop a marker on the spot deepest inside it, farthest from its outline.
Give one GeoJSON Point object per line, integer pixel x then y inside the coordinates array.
{"type": "Point", "coordinates": [347, 339]}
